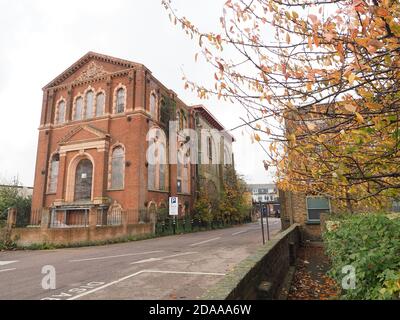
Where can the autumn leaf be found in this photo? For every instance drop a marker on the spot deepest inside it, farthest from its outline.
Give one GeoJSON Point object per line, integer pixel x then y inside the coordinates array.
{"type": "Point", "coordinates": [359, 117]}
{"type": "Point", "coordinates": [351, 78]}
{"type": "Point", "coordinates": [350, 107]}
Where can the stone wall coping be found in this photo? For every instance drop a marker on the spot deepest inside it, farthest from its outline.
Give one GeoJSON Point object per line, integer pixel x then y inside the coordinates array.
{"type": "Point", "coordinates": [231, 280]}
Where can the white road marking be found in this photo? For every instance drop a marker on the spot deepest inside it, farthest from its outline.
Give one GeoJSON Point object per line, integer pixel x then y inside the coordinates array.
{"type": "Point", "coordinates": [187, 272]}
{"type": "Point", "coordinates": [162, 258]}
{"type": "Point", "coordinates": [4, 270]}
{"type": "Point", "coordinates": [105, 286]}
{"type": "Point", "coordinates": [3, 263]}
{"type": "Point", "coordinates": [236, 233]}
{"type": "Point", "coordinates": [198, 243]}
{"type": "Point", "coordinates": [117, 256]}
{"type": "Point", "coordinates": [138, 273]}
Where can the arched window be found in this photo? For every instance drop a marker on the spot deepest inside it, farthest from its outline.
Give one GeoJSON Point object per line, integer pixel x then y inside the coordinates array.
{"type": "Point", "coordinates": [53, 173]}
{"type": "Point", "coordinates": [209, 149]}
{"type": "Point", "coordinates": [185, 178]}
{"type": "Point", "coordinates": [83, 180]}
{"type": "Point", "coordinates": [181, 118]}
{"type": "Point", "coordinates": [117, 168]}
{"type": "Point", "coordinates": [89, 104]}
{"type": "Point", "coordinates": [78, 108]}
{"type": "Point", "coordinates": [100, 100]}
{"type": "Point", "coordinates": [151, 179]}
{"type": "Point", "coordinates": [120, 101]}
{"type": "Point", "coordinates": [162, 170]}
{"type": "Point", "coordinates": [153, 106]}
{"type": "Point", "coordinates": [61, 112]}
{"type": "Point", "coordinates": [157, 160]}
{"type": "Point", "coordinates": [183, 174]}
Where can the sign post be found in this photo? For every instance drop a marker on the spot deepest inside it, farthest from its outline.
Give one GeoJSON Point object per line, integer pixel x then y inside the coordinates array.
{"type": "Point", "coordinates": [267, 214]}
{"type": "Point", "coordinates": [262, 222]}
{"type": "Point", "coordinates": [173, 210]}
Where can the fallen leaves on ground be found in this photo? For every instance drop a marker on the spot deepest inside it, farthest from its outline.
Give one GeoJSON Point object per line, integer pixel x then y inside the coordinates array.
{"type": "Point", "coordinates": [310, 281]}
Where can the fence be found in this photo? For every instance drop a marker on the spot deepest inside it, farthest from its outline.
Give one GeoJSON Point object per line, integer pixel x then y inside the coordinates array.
{"type": "Point", "coordinates": [27, 217]}
{"type": "Point", "coordinates": [69, 218]}
{"type": "Point", "coordinates": [166, 225]}
{"type": "Point", "coordinates": [113, 217]}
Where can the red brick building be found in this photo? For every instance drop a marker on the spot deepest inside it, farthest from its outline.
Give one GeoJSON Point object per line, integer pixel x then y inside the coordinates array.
{"type": "Point", "coordinates": [93, 139]}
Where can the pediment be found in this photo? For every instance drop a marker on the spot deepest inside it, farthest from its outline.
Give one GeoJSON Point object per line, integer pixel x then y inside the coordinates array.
{"type": "Point", "coordinates": [83, 133]}
{"type": "Point", "coordinates": [91, 66]}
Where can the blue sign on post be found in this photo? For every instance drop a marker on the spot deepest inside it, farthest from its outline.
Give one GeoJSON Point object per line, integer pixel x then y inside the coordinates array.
{"type": "Point", "coordinates": [173, 206]}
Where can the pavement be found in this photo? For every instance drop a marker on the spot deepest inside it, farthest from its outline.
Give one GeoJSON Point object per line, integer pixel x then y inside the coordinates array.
{"type": "Point", "coordinates": [166, 268]}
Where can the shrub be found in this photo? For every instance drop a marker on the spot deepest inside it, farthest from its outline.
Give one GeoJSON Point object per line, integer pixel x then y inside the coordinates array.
{"type": "Point", "coordinates": [371, 244]}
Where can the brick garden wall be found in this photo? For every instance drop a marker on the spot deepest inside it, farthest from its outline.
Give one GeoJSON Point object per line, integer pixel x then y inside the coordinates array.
{"type": "Point", "coordinates": [68, 236]}
{"type": "Point", "coordinates": [269, 265]}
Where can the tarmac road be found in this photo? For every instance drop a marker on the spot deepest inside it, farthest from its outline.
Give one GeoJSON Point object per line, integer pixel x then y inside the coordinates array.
{"type": "Point", "coordinates": [166, 268]}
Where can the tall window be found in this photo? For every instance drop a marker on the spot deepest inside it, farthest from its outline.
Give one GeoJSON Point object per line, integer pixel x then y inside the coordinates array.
{"type": "Point", "coordinates": [157, 172]}
{"type": "Point", "coordinates": [120, 102]}
{"type": "Point", "coordinates": [153, 106]}
{"type": "Point", "coordinates": [53, 174]}
{"type": "Point", "coordinates": [117, 168]}
{"type": "Point", "coordinates": [181, 120]}
{"type": "Point", "coordinates": [151, 178]}
{"type": "Point", "coordinates": [89, 104]}
{"type": "Point", "coordinates": [162, 171]}
{"type": "Point", "coordinates": [209, 148]}
{"type": "Point", "coordinates": [183, 174]}
{"type": "Point", "coordinates": [100, 100]}
{"type": "Point", "coordinates": [316, 206]}
{"type": "Point", "coordinates": [83, 180]}
{"type": "Point", "coordinates": [78, 108]}
{"type": "Point", "coordinates": [185, 178]}
{"type": "Point", "coordinates": [61, 112]}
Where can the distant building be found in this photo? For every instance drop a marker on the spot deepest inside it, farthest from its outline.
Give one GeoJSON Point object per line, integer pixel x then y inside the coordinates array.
{"type": "Point", "coordinates": [214, 154]}
{"type": "Point", "coordinates": [23, 191]}
{"type": "Point", "coordinates": [267, 195]}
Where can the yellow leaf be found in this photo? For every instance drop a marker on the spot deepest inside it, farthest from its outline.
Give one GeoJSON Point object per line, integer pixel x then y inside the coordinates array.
{"type": "Point", "coordinates": [373, 105]}
{"type": "Point", "coordinates": [351, 78]}
{"type": "Point", "coordinates": [257, 137]}
{"type": "Point", "coordinates": [359, 118]}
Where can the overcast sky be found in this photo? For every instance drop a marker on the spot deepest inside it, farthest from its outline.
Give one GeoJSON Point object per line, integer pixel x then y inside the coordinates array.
{"type": "Point", "coordinates": [41, 38]}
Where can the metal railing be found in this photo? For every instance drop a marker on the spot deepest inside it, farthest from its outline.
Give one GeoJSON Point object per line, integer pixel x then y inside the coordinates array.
{"type": "Point", "coordinates": [132, 216]}
{"type": "Point", "coordinates": [69, 218]}
{"type": "Point", "coordinates": [113, 217]}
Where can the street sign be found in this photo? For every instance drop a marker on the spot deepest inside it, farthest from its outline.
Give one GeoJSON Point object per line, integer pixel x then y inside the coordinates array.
{"type": "Point", "coordinates": [173, 206]}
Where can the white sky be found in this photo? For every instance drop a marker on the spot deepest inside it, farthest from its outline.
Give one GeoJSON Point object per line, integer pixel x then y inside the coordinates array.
{"type": "Point", "coordinates": [41, 38]}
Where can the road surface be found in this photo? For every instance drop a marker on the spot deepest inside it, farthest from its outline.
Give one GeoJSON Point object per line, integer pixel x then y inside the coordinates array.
{"type": "Point", "coordinates": [166, 268]}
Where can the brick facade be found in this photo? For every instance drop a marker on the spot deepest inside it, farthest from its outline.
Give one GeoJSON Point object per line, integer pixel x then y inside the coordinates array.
{"type": "Point", "coordinates": [96, 137]}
